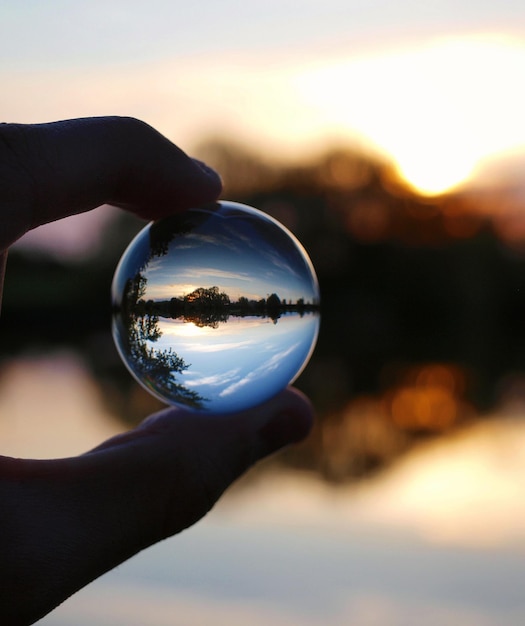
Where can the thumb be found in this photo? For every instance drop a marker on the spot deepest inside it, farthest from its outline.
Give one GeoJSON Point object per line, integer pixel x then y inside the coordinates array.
{"type": "Point", "coordinates": [182, 461]}
{"type": "Point", "coordinates": [78, 518]}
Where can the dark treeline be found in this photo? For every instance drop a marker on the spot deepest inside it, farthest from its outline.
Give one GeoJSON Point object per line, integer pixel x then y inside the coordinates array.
{"type": "Point", "coordinates": [210, 302]}
{"type": "Point", "coordinates": [423, 304]}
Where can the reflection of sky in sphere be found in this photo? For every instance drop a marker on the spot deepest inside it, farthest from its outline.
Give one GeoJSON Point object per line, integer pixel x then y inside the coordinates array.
{"type": "Point", "coordinates": [244, 361]}
{"type": "Point", "coordinates": [248, 256]}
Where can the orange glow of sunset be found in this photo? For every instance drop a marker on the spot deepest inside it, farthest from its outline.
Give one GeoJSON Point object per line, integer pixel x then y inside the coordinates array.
{"type": "Point", "coordinates": [438, 110]}
{"type": "Point", "coordinates": [186, 329]}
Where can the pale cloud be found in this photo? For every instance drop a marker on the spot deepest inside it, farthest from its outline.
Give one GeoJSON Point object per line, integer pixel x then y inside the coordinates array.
{"type": "Point", "coordinates": [237, 385]}
{"type": "Point", "coordinates": [198, 273]}
{"type": "Point", "coordinates": [217, 347]}
{"type": "Point", "coordinates": [268, 366]}
{"type": "Point", "coordinates": [213, 380]}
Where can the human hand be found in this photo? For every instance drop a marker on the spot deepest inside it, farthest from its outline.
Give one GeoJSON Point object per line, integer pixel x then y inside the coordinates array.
{"type": "Point", "coordinates": [65, 522]}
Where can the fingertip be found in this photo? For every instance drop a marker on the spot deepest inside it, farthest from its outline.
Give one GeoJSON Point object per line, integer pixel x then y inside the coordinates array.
{"type": "Point", "coordinates": [203, 186]}
{"type": "Point", "coordinates": [188, 185]}
{"type": "Point", "coordinates": [212, 176]}
{"type": "Point", "coordinates": [239, 439]}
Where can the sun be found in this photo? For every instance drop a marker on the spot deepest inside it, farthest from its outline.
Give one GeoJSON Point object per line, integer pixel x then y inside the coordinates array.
{"type": "Point", "coordinates": [428, 172]}
{"type": "Point", "coordinates": [436, 110]}
{"type": "Point", "coordinates": [185, 329]}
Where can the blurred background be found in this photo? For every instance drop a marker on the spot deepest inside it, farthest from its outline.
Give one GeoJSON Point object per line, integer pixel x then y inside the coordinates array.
{"type": "Point", "coordinates": [389, 137]}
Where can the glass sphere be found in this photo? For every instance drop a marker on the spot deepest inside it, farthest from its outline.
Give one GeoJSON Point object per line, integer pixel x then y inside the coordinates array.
{"type": "Point", "coordinates": [216, 308]}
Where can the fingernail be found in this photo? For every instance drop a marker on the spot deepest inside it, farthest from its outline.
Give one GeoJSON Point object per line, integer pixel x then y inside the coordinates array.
{"type": "Point", "coordinates": [209, 171]}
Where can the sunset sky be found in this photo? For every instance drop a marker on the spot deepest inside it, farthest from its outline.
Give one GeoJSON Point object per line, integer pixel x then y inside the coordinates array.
{"type": "Point", "coordinates": [240, 257]}
{"type": "Point", "coordinates": [436, 86]}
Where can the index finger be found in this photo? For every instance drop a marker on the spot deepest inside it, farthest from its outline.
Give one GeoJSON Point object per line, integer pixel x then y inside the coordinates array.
{"type": "Point", "coordinates": [49, 171]}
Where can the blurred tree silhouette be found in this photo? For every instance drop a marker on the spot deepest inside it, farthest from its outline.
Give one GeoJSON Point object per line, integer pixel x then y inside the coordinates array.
{"type": "Point", "coordinates": [407, 284]}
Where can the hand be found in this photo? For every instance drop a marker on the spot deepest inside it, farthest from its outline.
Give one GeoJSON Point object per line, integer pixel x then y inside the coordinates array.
{"type": "Point", "coordinates": [65, 522]}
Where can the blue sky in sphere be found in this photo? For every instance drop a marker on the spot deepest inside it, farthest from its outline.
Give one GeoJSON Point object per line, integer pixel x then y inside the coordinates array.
{"type": "Point", "coordinates": [242, 362]}
{"type": "Point", "coordinates": [245, 257]}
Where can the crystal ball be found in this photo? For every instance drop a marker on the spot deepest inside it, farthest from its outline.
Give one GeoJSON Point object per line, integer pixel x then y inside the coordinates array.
{"type": "Point", "coordinates": [216, 308]}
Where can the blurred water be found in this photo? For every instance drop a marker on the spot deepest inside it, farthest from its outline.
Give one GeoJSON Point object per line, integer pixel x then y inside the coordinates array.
{"type": "Point", "coordinates": [438, 539]}
{"type": "Point", "coordinates": [223, 572]}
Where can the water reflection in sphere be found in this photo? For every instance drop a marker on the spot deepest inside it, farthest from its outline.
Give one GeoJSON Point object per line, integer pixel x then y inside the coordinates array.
{"type": "Point", "coordinates": [216, 308]}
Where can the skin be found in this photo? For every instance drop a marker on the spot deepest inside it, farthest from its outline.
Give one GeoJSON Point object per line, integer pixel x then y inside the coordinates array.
{"type": "Point", "coordinates": [65, 522]}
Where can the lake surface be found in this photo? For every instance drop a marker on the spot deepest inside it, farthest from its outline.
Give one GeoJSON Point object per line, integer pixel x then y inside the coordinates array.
{"type": "Point", "coordinates": [229, 573]}
{"type": "Point", "coordinates": [437, 539]}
